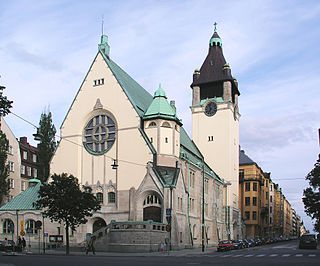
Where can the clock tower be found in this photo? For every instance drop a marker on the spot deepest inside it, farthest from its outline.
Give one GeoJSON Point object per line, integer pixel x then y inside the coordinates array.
{"type": "Point", "coordinates": [215, 124]}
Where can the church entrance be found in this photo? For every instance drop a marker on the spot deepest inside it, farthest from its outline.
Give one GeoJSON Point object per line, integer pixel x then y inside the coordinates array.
{"type": "Point", "coordinates": [98, 224]}
{"type": "Point", "coordinates": [152, 209]}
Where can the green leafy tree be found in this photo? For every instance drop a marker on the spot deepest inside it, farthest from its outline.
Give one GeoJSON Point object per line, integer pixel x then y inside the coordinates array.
{"type": "Point", "coordinates": [5, 104]}
{"type": "Point", "coordinates": [4, 169]}
{"type": "Point", "coordinates": [47, 144]}
{"type": "Point", "coordinates": [311, 194]}
{"type": "Point", "coordinates": [62, 200]}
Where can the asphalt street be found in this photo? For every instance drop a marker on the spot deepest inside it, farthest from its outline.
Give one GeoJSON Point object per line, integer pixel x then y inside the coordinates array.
{"type": "Point", "coordinates": [285, 253]}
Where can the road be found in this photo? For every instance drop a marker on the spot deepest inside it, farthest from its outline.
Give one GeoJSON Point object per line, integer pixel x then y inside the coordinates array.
{"type": "Point", "coordinates": [285, 253]}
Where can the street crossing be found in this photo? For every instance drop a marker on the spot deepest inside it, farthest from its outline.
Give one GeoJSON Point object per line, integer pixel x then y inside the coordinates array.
{"type": "Point", "coordinates": [274, 255]}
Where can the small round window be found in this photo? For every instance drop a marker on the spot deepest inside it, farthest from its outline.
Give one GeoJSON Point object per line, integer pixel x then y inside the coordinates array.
{"type": "Point", "coordinates": [99, 134]}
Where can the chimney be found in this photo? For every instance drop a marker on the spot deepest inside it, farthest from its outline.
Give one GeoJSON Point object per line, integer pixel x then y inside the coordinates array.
{"type": "Point", "coordinates": [23, 140]}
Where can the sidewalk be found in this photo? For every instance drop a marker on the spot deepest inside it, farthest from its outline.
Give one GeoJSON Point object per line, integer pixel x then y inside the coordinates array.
{"type": "Point", "coordinates": [175, 253]}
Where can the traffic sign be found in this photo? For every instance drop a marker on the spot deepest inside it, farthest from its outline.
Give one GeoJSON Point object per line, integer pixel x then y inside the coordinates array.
{"type": "Point", "coordinates": [22, 233]}
{"type": "Point", "coordinates": [168, 228]}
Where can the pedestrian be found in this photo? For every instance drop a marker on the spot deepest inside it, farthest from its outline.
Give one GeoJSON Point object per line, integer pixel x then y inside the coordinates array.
{"type": "Point", "coordinates": [24, 244]}
{"type": "Point", "coordinates": [19, 247]}
{"type": "Point", "coordinates": [90, 245]}
{"type": "Point", "coordinates": [6, 244]}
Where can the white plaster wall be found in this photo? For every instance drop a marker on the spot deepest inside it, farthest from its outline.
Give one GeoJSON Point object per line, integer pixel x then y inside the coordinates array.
{"type": "Point", "coordinates": [129, 148]}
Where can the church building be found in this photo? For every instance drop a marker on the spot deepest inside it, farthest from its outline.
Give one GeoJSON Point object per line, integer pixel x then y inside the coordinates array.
{"type": "Point", "coordinates": [146, 171]}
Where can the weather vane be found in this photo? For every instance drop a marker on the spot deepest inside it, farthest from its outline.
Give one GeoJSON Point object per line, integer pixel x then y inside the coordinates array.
{"type": "Point", "coordinates": [215, 26]}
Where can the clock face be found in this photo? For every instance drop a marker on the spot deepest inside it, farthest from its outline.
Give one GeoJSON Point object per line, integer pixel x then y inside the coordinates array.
{"type": "Point", "coordinates": [211, 108]}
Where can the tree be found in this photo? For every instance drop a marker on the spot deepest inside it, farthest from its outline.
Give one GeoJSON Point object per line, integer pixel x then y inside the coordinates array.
{"type": "Point", "coordinates": [5, 104]}
{"type": "Point", "coordinates": [64, 201]}
{"type": "Point", "coordinates": [311, 194]}
{"type": "Point", "coordinates": [47, 144]}
{"type": "Point", "coordinates": [4, 169]}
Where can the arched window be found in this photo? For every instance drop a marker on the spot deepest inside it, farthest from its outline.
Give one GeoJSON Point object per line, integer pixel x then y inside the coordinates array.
{"type": "Point", "coordinates": [31, 227]}
{"type": "Point", "coordinates": [111, 197]}
{"type": "Point", "coordinates": [8, 227]}
{"type": "Point", "coordinates": [100, 197]}
{"type": "Point", "coordinates": [194, 232]}
{"type": "Point", "coordinates": [165, 124]}
{"type": "Point", "coordinates": [152, 124]}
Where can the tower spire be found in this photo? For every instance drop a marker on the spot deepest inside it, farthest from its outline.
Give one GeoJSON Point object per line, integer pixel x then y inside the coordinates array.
{"type": "Point", "coordinates": [215, 26]}
{"type": "Point", "coordinates": [102, 22]}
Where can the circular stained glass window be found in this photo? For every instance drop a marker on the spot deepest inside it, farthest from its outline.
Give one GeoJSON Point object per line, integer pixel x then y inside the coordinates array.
{"type": "Point", "coordinates": [99, 134]}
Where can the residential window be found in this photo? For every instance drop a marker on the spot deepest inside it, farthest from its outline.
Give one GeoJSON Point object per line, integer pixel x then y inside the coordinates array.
{"type": "Point", "coordinates": [267, 183]}
{"type": "Point", "coordinates": [247, 184]}
{"type": "Point", "coordinates": [270, 198]}
{"type": "Point", "coordinates": [241, 173]}
{"type": "Point", "coordinates": [23, 186]}
{"type": "Point", "coordinates": [28, 171]}
{"type": "Point", "coordinates": [111, 197]}
{"type": "Point", "coordinates": [247, 201]}
{"type": "Point", "coordinates": [267, 195]}
{"type": "Point", "coordinates": [191, 204]}
{"type": "Point", "coordinates": [254, 215]}
{"type": "Point", "coordinates": [151, 140]}
{"type": "Point", "coordinates": [10, 150]}
{"type": "Point", "coordinates": [100, 197]}
{"type": "Point", "coordinates": [270, 209]}
{"type": "Point", "coordinates": [34, 158]}
{"type": "Point", "coordinates": [210, 138]}
{"type": "Point", "coordinates": [11, 183]}
{"type": "Point", "coordinates": [23, 170]}
{"type": "Point", "coordinates": [270, 220]}
{"type": "Point", "coordinates": [255, 186]}
{"type": "Point", "coordinates": [166, 140]}
{"type": "Point", "coordinates": [24, 155]}
{"type": "Point", "coordinates": [247, 215]}
{"type": "Point", "coordinates": [35, 172]}
{"type": "Point", "coordinates": [254, 201]}
{"type": "Point", "coordinates": [11, 166]}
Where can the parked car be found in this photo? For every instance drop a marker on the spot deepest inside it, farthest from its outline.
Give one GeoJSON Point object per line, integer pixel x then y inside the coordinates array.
{"type": "Point", "coordinates": [245, 243]}
{"type": "Point", "coordinates": [308, 241]}
{"type": "Point", "coordinates": [225, 245]}
{"type": "Point", "coordinates": [258, 241]}
{"type": "Point", "coordinates": [11, 245]}
{"type": "Point", "coordinates": [2, 245]}
{"type": "Point", "coordinates": [251, 242]}
{"type": "Point", "coordinates": [238, 244]}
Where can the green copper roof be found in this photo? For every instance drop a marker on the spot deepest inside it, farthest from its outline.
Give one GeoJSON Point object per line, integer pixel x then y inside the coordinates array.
{"type": "Point", "coordinates": [25, 200]}
{"type": "Point", "coordinates": [160, 108]}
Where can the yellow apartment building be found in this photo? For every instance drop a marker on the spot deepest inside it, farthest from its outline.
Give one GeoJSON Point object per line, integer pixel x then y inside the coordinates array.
{"type": "Point", "coordinates": [253, 197]}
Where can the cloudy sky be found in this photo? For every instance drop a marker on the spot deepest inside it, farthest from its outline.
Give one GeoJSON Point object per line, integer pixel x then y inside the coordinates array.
{"type": "Point", "coordinates": [273, 48]}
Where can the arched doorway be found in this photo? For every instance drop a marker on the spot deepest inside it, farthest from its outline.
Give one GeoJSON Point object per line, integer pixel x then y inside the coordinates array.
{"type": "Point", "coordinates": [152, 208]}
{"type": "Point", "coordinates": [98, 224]}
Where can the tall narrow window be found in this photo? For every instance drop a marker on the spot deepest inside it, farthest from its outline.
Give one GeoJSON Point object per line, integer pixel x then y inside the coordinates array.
{"type": "Point", "coordinates": [255, 186]}
{"type": "Point", "coordinates": [111, 197]}
{"type": "Point", "coordinates": [247, 201]}
{"type": "Point", "coordinates": [100, 197]}
{"type": "Point", "coordinates": [247, 186]}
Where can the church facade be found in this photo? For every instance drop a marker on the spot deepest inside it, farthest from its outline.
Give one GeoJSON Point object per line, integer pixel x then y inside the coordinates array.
{"type": "Point", "coordinates": [132, 149]}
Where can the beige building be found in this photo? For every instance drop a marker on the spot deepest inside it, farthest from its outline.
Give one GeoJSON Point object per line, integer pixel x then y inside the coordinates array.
{"type": "Point", "coordinates": [13, 161]}
{"type": "Point", "coordinates": [132, 149]}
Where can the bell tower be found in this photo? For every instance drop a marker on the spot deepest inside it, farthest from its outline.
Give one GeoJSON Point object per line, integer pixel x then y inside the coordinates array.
{"type": "Point", "coordinates": [215, 118]}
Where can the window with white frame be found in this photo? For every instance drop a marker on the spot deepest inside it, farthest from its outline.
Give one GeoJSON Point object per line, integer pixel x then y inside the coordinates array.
{"type": "Point", "coordinates": [11, 166]}
{"type": "Point", "coordinates": [35, 172]}
{"type": "Point", "coordinates": [28, 171]}
{"type": "Point", "coordinates": [23, 186]}
{"type": "Point", "coordinates": [23, 169]}
{"type": "Point", "coordinates": [34, 158]}
{"type": "Point", "coordinates": [10, 150]}
{"type": "Point", "coordinates": [24, 155]}
{"type": "Point", "coordinates": [11, 182]}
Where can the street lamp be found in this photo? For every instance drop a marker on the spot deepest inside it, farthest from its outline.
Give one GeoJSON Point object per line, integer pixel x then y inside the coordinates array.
{"type": "Point", "coordinates": [227, 210]}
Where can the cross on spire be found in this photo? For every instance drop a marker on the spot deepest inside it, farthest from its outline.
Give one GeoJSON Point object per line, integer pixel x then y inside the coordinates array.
{"type": "Point", "coordinates": [215, 26]}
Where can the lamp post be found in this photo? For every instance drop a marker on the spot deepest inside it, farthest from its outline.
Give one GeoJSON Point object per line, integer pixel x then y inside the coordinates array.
{"type": "Point", "coordinates": [227, 210]}
{"type": "Point", "coordinates": [202, 224]}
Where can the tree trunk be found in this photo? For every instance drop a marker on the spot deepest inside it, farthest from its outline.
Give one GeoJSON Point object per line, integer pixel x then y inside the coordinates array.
{"type": "Point", "coordinates": [67, 238]}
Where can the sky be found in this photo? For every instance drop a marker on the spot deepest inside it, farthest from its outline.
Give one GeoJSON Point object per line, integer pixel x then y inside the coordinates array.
{"type": "Point", "coordinates": [273, 49]}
